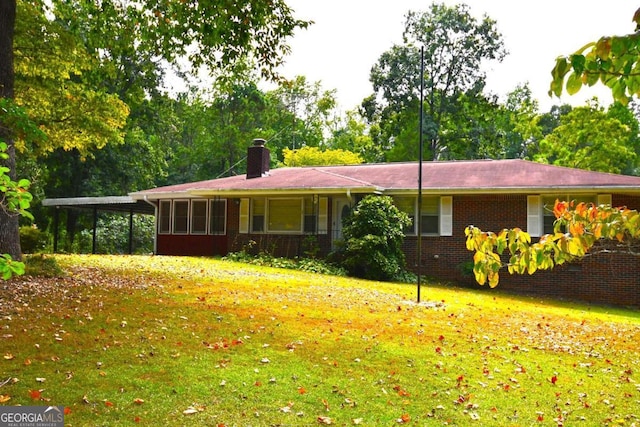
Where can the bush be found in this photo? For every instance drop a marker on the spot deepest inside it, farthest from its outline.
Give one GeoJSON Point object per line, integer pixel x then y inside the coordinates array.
{"type": "Point", "coordinates": [112, 235]}
{"type": "Point", "coordinates": [311, 265]}
{"type": "Point", "coordinates": [42, 266]}
{"type": "Point", "coordinates": [373, 237]}
{"type": "Point", "coordinates": [32, 239]}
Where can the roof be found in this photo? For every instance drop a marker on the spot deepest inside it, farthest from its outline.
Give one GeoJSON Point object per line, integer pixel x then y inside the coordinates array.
{"type": "Point", "coordinates": [108, 203]}
{"type": "Point", "coordinates": [454, 177]}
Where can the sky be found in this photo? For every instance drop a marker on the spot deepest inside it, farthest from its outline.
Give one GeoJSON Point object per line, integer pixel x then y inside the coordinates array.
{"type": "Point", "coordinates": [349, 36]}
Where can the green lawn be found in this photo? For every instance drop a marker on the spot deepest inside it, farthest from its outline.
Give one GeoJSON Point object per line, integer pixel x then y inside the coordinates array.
{"type": "Point", "coordinates": [172, 341]}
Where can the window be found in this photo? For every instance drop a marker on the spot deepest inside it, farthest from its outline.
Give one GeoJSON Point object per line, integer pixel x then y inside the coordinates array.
{"type": "Point", "coordinates": [218, 216]}
{"type": "Point", "coordinates": [199, 217]}
{"type": "Point", "coordinates": [257, 215]}
{"type": "Point", "coordinates": [549, 201]}
{"type": "Point", "coordinates": [540, 217]}
{"type": "Point", "coordinates": [408, 206]}
{"type": "Point", "coordinates": [436, 212]}
{"type": "Point", "coordinates": [164, 217]}
{"type": "Point", "coordinates": [310, 214]}
{"type": "Point", "coordinates": [285, 215]}
{"type": "Point", "coordinates": [180, 216]}
{"type": "Point", "coordinates": [430, 215]}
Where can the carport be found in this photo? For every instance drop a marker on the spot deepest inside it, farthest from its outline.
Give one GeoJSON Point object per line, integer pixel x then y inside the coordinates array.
{"type": "Point", "coordinates": [97, 204]}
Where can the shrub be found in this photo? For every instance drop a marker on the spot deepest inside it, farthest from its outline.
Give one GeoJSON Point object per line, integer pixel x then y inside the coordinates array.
{"type": "Point", "coordinates": [112, 235]}
{"type": "Point", "coordinates": [373, 237]}
{"type": "Point", "coordinates": [311, 265]}
{"type": "Point", "coordinates": [32, 239]}
{"type": "Point", "coordinates": [42, 266]}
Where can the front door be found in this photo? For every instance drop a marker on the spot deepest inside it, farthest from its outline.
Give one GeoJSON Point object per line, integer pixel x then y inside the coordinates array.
{"type": "Point", "coordinates": [341, 210]}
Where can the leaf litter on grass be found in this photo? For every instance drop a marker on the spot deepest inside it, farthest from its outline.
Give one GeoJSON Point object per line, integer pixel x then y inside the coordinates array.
{"type": "Point", "coordinates": [359, 352]}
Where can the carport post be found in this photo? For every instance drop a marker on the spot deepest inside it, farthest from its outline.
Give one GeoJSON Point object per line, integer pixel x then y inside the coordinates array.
{"type": "Point", "coordinates": [56, 218]}
{"type": "Point", "coordinates": [95, 226]}
{"type": "Point", "coordinates": [130, 231]}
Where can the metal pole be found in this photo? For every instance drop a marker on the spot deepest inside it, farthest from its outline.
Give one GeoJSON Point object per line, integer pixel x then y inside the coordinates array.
{"type": "Point", "coordinates": [420, 172]}
{"type": "Point", "coordinates": [130, 231]}
{"type": "Point", "coordinates": [95, 226]}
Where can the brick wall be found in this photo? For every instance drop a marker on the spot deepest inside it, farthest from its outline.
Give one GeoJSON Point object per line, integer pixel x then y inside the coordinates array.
{"type": "Point", "coordinates": [602, 278]}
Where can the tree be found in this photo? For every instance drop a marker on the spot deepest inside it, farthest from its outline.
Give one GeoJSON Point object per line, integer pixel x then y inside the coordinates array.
{"type": "Point", "coordinates": [14, 201]}
{"type": "Point", "coordinates": [373, 236]}
{"type": "Point", "coordinates": [455, 47]}
{"type": "Point", "coordinates": [9, 231]}
{"type": "Point", "coordinates": [228, 37]}
{"type": "Point", "coordinates": [300, 112]}
{"type": "Point", "coordinates": [313, 156]}
{"type": "Point", "coordinates": [612, 60]}
{"type": "Point", "coordinates": [580, 230]}
{"type": "Point", "coordinates": [350, 133]}
{"type": "Point", "coordinates": [589, 138]}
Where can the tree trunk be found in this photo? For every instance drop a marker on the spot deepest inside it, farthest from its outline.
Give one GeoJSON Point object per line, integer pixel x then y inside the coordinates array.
{"type": "Point", "coordinates": [9, 233]}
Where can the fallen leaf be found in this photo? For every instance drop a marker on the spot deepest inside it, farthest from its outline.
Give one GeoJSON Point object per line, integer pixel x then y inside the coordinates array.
{"type": "Point", "coordinates": [8, 356]}
{"type": "Point", "coordinates": [357, 421]}
{"type": "Point", "coordinates": [35, 394]}
{"type": "Point", "coordinates": [41, 380]}
{"type": "Point", "coordinates": [405, 418]}
{"type": "Point", "coordinates": [108, 404]}
{"type": "Point", "coordinates": [4, 398]}
{"type": "Point", "coordinates": [325, 420]}
{"type": "Point", "coordinates": [138, 401]}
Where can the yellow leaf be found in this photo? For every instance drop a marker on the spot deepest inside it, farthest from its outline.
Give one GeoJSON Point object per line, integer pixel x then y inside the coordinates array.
{"type": "Point", "coordinates": [4, 398]}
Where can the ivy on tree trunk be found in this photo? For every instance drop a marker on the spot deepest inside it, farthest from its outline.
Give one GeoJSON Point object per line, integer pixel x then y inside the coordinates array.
{"type": "Point", "coordinates": [9, 233]}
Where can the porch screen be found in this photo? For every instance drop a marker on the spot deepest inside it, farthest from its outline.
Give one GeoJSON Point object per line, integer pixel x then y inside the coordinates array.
{"type": "Point", "coordinates": [180, 216]}
{"type": "Point", "coordinates": [218, 216]}
{"type": "Point", "coordinates": [164, 217]}
{"type": "Point", "coordinates": [285, 215]}
{"type": "Point", "coordinates": [198, 216]}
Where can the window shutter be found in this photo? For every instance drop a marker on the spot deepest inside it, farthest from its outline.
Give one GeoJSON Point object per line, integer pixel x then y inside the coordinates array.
{"type": "Point", "coordinates": [603, 199]}
{"type": "Point", "coordinates": [243, 226]}
{"type": "Point", "coordinates": [323, 209]}
{"type": "Point", "coordinates": [446, 216]}
{"type": "Point", "coordinates": [534, 216]}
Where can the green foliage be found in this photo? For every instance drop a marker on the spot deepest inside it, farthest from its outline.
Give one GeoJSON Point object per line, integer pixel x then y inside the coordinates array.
{"type": "Point", "coordinates": [51, 67]}
{"type": "Point", "coordinates": [32, 239]}
{"type": "Point", "coordinates": [580, 230]}
{"type": "Point", "coordinates": [15, 199]}
{"type": "Point", "coordinates": [456, 45]}
{"type": "Point", "coordinates": [9, 267]}
{"type": "Point", "coordinates": [42, 266]}
{"type": "Point", "coordinates": [311, 265]}
{"type": "Point", "coordinates": [313, 156]}
{"type": "Point", "coordinates": [112, 235]}
{"type": "Point", "coordinates": [612, 61]}
{"type": "Point", "coordinates": [373, 237]}
{"type": "Point", "coordinates": [592, 139]}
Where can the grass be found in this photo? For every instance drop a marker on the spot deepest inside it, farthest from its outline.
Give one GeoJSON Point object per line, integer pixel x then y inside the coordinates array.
{"type": "Point", "coordinates": [141, 340]}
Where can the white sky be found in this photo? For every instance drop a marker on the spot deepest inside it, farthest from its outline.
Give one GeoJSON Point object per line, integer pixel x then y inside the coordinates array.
{"type": "Point", "coordinates": [349, 36]}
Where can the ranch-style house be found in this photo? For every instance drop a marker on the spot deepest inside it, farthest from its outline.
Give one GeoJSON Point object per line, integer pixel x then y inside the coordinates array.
{"type": "Point", "coordinates": [288, 211]}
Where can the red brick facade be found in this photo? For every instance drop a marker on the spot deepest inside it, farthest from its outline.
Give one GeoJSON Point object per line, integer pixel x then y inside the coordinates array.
{"type": "Point", "coordinates": [602, 278]}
